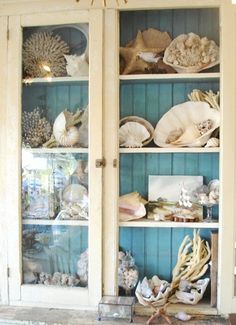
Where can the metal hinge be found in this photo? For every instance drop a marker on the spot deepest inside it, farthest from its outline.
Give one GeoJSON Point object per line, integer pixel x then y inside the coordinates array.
{"type": "Point", "coordinates": [100, 163]}
{"type": "Point", "coordinates": [8, 34]}
{"type": "Point", "coordinates": [8, 272]}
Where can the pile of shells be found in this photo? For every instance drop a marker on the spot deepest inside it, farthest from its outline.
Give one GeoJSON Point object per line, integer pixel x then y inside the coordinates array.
{"type": "Point", "coordinates": [58, 279]}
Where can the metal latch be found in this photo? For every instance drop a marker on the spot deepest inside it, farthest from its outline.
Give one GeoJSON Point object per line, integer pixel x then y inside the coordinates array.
{"type": "Point", "coordinates": [100, 163]}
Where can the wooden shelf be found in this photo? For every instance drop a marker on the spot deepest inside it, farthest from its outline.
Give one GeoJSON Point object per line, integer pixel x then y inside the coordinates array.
{"type": "Point", "coordinates": [46, 222]}
{"type": "Point", "coordinates": [174, 76]}
{"type": "Point", "coordinates": [168, 150]}
{"type": "Point", "coordinates": [147, 223]}
{"type": "Point", "coordinates": [29, 81]}
{"type": "Point", "coordinates": [57, 150]}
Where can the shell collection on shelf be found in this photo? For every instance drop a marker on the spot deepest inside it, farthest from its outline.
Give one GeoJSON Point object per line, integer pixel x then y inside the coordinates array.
{"type": "Point", "coordinates": [58, 279]}
{"type": "Point", "coordinates": [82, 268]}
{"type": "Point", "coordinates": [153, 51]}
{"type": "Point", "coordinates": [189, 124]}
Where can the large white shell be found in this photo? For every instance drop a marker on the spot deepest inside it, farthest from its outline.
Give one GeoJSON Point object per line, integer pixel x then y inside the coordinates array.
{"type": "Point", "coordinates": [135, 132]}
{"type": "Point", "coordinates": [188, 53]}
{"type": "Point", "coordinates": [182, 116]}
{"type": "Point", "coordinates": [65, 136]}
{"type": "Point", "coordinates": [77, 66]}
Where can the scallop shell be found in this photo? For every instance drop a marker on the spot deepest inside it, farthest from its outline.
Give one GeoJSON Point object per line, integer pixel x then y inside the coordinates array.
{"type": "Point", "coordinates": [185, 116]}
{"type": "Point", "coordinates": [135, 132]}
{"type": "Point", "coordinates": [75, 193]}
{"type": "Point", "coordinates": [188, 53]}
{"type": "Point", "coordinates": [65, 134]}
{"type": "Point", "coordinates": [213, 142]}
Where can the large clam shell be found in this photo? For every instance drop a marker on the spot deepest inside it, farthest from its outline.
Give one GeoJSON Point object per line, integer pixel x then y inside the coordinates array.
{"type": "Point", "coordinates": [75, 193]}
{"type": "Point", "coordinates": [135, 132]}
{"type": "Point", "coordinates": [188, 53]}
{"type": "Point", "coordinates": [181, 117]}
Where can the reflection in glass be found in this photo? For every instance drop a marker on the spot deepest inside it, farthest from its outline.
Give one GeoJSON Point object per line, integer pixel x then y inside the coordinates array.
{"type": "Point", "coordinates": [55, 255]}
{"type": "Point", "coordinates": [54, 186]}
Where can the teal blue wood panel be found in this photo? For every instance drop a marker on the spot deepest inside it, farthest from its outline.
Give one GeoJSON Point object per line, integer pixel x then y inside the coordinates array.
{"type": "Point", "coordinates": [54, 98]}
{"type": "Point", "coordinates": [152, 99]}
{"type": "Point", "coordinates": [155, 249]}
{"type": "Point", "coordinates": [204, 22]}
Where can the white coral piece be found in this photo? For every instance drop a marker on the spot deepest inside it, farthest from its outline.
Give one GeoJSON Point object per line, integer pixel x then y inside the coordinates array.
{"type": "Point", "coordinates": [190, 53]}
{"type": "Point", "coordinates": [43, 54]}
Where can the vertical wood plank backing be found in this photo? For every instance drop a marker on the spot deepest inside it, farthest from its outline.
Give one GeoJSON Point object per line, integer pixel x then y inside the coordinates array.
{"type": "Point", "coordinates": [53, 98]}
{"type": "Point", "coordinates": [95, 152]}
{"type": "Point", "coordinates": [155, 250]}
{"type": "Point", "coordinates": [13, 144]}
{"type": "Point", "coordinates": [177, 21]}
{"type": "Point", "coordinates": [3, 166]}
{"type": "Point", "coordinates": [111, 176]}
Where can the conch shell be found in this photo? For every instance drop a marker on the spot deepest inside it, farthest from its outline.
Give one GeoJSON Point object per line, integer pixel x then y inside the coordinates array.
{"type": "Point", "coordinates": [64, 132]}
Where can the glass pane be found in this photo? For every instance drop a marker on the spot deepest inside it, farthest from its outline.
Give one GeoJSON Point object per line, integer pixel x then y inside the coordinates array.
{"type": "Point", "coordinates": [55, 193]}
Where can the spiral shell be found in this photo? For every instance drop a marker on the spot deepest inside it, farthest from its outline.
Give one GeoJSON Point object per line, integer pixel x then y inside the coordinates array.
{"type": "Point", "coordinates": [65, 135]}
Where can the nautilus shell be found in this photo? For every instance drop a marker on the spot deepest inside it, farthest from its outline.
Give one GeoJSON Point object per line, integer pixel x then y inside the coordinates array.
{"type": "Point", "coordinates": [189, 124]}
{"type": "Point", "coordinates": [65, 134]}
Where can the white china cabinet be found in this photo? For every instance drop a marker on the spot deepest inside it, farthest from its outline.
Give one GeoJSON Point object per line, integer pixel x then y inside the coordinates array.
{"type": "Point", "coordinates": [36, 181]}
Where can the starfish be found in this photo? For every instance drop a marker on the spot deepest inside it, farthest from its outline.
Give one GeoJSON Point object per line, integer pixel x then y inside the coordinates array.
{"type": "Point", "coordinates": [131, 54]}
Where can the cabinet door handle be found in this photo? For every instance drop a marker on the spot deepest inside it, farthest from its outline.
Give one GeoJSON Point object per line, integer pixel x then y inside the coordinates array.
{"type": "Point", "coordinates": [100, 163]}
{"type": "Point", "coordinates": [114, 163]}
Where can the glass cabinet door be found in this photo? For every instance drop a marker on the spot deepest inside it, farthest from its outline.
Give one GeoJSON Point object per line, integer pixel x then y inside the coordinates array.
{"type": "Point", "coordinates": [60, 135]}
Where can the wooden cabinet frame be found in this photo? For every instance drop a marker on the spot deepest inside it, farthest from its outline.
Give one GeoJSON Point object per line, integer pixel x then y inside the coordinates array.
{"type": "Point", "coordinates": [105, 97]}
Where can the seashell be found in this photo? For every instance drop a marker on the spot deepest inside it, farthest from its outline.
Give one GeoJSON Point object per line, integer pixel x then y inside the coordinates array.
{"type": "Point", "coordinates": [135, 132]}
{"type": "Point", "coordinates": [188, 53]}
{"type": "Point", "coordinates": [187, 117]}
{"type": "Point", "coordinates": [131, 207]}
{"type": "Point", "coordinates": [65, 134]}
{"type": "Point", "coordinates": [213, 142]}
{"type": "Point", "coordinates": [194, 292]}
{"type": "Point", "coordinates": [77, 66]}
{"type": "Point", "coordinates": [75, 193]}
{"type": "Point", "coordinates": [132, 135]}
{"type": "Point", "coordinates": [181, 315]}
